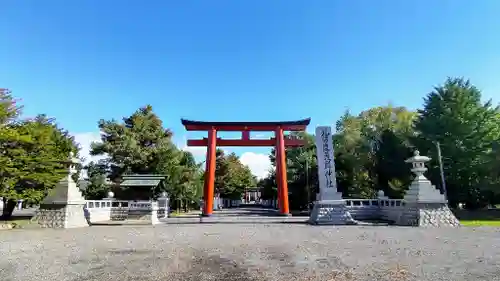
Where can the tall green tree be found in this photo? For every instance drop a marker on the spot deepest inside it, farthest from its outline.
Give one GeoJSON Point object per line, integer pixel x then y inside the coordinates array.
{"type": "Point", "coordinates": [32, 155]}
{"type": "Point", "coordinates": [136, 145]}
{"type": "Point", "coordinates": [467, 130]}
{"type": "Point", "coordinates": [231, 176]}
{"type": "Point", "coordinates": [141, 145]}
{"type": "Point", "coordinates": [97, 187]}
{"type": "Point", "coordinates": [9, 109]}
{"type": "Point", "coordinates": [302, 173]}
{"type": "Point", "coordinates": [187, 183]}
{"type": "Point", "coordinates": [366, 147]}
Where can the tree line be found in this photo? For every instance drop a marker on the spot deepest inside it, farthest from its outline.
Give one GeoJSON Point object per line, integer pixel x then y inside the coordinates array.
{"type": "Point", "coordinates": [141, 145]}
{"type": "Point", "coordinates": [32, 153]}
{"type": "Point", "coordinates": [370, 149]}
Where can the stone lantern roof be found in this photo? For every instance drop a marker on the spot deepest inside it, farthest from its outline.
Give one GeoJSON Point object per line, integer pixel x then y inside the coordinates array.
{"type": "Point", "coordinates": [66, 191]}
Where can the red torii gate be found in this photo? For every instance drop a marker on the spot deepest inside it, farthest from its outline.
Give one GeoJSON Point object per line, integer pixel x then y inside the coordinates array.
{"type": "Point", "coordinates": [279, 142]}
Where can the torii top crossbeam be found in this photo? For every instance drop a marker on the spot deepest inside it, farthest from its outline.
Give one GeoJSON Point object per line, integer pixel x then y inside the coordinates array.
{"type": "Point", "coordinates": [245, 128]}
{"type": "Point", "coordinates": [298, 125]}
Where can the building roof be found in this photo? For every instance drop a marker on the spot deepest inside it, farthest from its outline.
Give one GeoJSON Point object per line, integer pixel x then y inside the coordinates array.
{"type": "Point", "coordinates": [146, 180]}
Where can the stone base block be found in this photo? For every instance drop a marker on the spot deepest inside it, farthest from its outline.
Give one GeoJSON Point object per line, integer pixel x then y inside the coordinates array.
{"type": "Point", "coordinates": [61, 216]}
{"type": "Point", "coordinates": [332, 212]}
{"type": "Point", "coordinates": [428, 215]}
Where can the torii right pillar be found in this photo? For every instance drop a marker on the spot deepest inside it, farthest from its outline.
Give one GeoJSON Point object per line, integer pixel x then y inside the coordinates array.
{"type": "Point", "coordinates": [281, 177]}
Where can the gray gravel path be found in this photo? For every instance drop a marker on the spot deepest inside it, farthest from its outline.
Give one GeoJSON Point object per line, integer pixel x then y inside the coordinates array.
{"type": "Point", "coordinates": [250, 252]}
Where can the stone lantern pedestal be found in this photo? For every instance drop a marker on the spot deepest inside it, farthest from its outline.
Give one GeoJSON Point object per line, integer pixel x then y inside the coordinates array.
{"type": "Point", "coordinates": [64, 205]}
{"type": "Point", "coordinates": [424, 203]}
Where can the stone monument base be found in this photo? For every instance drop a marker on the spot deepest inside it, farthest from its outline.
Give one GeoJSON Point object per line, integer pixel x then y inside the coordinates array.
{"type": "Point", "coordinates": [428, 215]}
{"type": "Point", "coordinates": [331, 212]}
{"type": "Point", "coordinates": [61, 216]}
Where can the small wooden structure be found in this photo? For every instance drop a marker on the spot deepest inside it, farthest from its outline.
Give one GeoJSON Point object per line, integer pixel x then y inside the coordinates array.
{"type": "Point", "coordinates": [140, 187]}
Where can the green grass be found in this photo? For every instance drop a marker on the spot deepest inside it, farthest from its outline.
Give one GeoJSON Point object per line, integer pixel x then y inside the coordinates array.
{"type": "Point", "coordinates": [181, 213]}
{"type": "Point", "coordinates": [176, 214]}
{"type": "Point", "coordinates": [479, 217]}
{"type": "Point", "coordinates": [480, 223]}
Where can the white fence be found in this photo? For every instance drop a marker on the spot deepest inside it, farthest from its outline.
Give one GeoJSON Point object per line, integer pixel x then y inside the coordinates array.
{"type": "Point", "coordinates": [273, 203]}
{"type": "Point", "coordinates": [361, 209]}
{"type": "Point", "coordinates": [364, 209]}
{"type": "Point", "coordinates": [109, 209]}
{"type": "Point", "coordinates": [371, 209]}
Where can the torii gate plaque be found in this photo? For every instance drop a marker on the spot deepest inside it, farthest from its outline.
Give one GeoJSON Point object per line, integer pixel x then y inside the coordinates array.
{"type": "Point", "coordinates": [279, 142]}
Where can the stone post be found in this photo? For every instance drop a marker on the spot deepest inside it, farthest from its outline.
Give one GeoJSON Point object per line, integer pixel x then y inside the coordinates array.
{"type": "Point", "coordinates": [64, 205]}
{"type": "Point", "coordinates": [424, 203]}
{"type": "Point", "coordinates": [111, 196]}
{"type": "Point", "coordinates": [154, 213]}
{"type": "Point", "coordinates": [381, 195]}
{"type": "Point", "coordinates": [330, 208]}
{"type": "Point", "coordinates": [163, 205]}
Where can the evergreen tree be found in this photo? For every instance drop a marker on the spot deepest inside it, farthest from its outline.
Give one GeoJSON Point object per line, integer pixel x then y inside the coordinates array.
{"type": "Point", "coordinates": [32, 153]}
{"type": "Point", "coordinates": [98, 186]}
{"type": "Point", "coordinates": [467, 130]}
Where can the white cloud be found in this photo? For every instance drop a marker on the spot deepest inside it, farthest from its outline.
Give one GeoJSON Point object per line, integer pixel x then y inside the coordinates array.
{"type": "Point", "coordinates": [258, 163]}
{"type": "Point", "coordinates": [84, 140]}
{"type": "Point", "coordinates": [197, 151]}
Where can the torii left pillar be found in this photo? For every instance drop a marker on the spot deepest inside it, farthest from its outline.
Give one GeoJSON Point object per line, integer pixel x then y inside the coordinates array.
{"type": "Point", "coordinates": [208, 187]}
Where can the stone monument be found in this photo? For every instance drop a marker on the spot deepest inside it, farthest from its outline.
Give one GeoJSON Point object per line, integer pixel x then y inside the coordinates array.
{"type": "Point", "coordinates": [424, 203]}
{"type": "Point", "coordinates": [329, 208]}
{"type": "Point", "coordinates": [64, 205]}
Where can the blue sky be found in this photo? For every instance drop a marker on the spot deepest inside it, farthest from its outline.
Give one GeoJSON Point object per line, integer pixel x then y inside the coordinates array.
{"type": "Point", "coordinates": [239, 60]}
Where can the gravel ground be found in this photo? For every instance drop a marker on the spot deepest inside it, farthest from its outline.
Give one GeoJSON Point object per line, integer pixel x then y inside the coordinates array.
{"type": "Point", "coordinates": [250, 252]}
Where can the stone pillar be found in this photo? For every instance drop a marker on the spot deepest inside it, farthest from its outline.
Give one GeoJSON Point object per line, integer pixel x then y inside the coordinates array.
{"type": "Point", "coordinates": [329, 208]}
{"type": "Point", "coordinates": [111, 196]}
{"type": "Point", "coordinates": [424, 203]}
{"type": "Point", "coordinates": [64, 205]}
{"type": "Point", "coordinates": [154, 213]}
{"type": "Point", "coordinates": [381, 195]}
{"type": "Point", "coordinates": [164, 205]}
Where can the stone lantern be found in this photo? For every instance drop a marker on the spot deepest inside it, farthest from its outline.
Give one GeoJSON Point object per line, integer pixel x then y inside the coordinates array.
{"type": "Point", "coordinates": [63, 206]}
{"type": "Point", "coordinates": [421, 189]}
{"type": "Point", "coordinates": [424, 203]}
